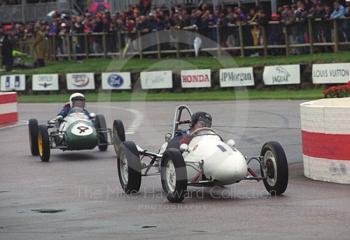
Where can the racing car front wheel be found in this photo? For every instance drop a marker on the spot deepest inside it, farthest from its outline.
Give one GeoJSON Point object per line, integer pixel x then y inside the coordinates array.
{"type": "Point", "coordinates": [274, 168]}
{"type": "Point", "coordinates": [33, 136]}
{"type": "Point", "coordinates": [174, 175]}
{"type": "Point", "coordinates": [102, 135]}
{"type": "Point", "coordinates": [129, 167]}
{"type": "Point", "coordinates": [43, 143]}
{"type": "Point", "coordinates": [118, 134]}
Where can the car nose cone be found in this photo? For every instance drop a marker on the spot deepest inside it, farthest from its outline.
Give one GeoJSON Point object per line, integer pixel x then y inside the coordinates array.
{"type": "Point", "coordinates": [226, 167]}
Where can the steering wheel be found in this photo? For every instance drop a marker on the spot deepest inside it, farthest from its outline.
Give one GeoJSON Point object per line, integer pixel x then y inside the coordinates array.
{"type": "Point", "coordinates": [202, 129]}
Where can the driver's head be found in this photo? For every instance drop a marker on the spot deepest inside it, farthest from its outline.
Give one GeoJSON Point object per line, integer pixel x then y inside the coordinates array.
{"type": "Point", "coordinates": [201, 120]}
{"type": "Point", "coordinates": [77, 100]}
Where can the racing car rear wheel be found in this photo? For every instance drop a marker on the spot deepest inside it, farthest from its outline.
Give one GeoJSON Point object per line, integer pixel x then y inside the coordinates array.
{"type": "Point", "coordinates": [129, 167]}
{"type": "Point", "coordinates": [174, 175]}
{"type": "Point", "coordinates": [118, 134]}
{"type": "Point", "coordinates": [43, 143]}
{"type": "Point", "coordinates": [102, 136]}
{"type": "Point", "coordinates": [275, 168]}
{"type": "Point", "coordinates": [33, 136]}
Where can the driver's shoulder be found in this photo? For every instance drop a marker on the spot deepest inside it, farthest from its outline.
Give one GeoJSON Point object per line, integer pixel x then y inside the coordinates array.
{"type": "Point", "coordinates": [66, 105]}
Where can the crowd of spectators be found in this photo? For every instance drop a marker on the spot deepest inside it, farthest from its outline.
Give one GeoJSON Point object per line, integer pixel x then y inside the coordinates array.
{"type": "Point", "coordinates": [201, 19]}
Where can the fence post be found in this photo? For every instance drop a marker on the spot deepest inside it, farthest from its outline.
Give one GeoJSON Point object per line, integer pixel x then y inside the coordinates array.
{"type": "Point", "coordinates": [87, 50]}
{"type": "Point", "coordinates": [311, 39]}
{"type": "Point", "coordinates": [54, 47]}
{"type": "Point", "coordinates": [218, 39]}
{"type": "Point", "coordinates": [139, 43]}
{"type": "Point", "coordinates": [104, 44]}
{"type": "Point", "coordinates": [265, 40]}
{"type": "Point", "coordinates": [69, 47]}
{"type": "Point", "coordinates": [335, 35]}
{"type": "Point", "coordinates": [177, 44]}
{"type": "Point", "coordinates": [241, 38]}
{"type": "Point", "coordinates": [286, 40]}
{"type": "Point", "coordinates": [158, 45]}
{"type": "Point", "coordinates": [120, 44]}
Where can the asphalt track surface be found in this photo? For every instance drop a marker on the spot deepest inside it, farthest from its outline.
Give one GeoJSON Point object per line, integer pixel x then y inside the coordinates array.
{"type": "Point", "coordinates": [78, 196]}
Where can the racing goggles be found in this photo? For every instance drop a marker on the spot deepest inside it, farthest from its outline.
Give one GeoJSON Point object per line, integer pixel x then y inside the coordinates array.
{"type": "Point", "coordinates": [204, 122]}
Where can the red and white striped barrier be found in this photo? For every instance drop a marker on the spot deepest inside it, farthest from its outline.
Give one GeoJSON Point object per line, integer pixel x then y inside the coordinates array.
{"type": "Point", "coordinates": [325, 126]}
{"type": "Point", "coordinates": [8, 108]}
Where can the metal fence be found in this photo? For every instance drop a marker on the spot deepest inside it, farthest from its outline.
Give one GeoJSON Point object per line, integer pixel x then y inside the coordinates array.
{"type": "Point", "coordinates": [30, 12]}
{"type": "Point", "coordinates": [275, 38]}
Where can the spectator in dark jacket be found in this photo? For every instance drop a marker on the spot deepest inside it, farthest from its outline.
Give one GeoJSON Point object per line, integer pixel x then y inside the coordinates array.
{"type": "Point", "coordinates": [6, 51]}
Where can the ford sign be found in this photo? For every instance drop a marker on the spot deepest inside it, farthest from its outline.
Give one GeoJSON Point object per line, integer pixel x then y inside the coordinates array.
{"type": "Point", "coordinates": [115, 81]}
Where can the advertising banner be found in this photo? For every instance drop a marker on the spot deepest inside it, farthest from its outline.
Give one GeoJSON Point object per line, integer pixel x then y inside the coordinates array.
{"type": "Point", "coordinates": [236, 77]}
{"type": "Point", "coordinates": [116, 81]}
{"type": "Point", "coordinates": [156, 80]}
{"type": "Point", "coordinates": [331, 73]}
{"type": "Point", "coordinates": [282, 75]}
{"type": "Point", "coordinates": [80, 81]}
{"type": "Point", "coordinates": [200, 78]}
{"type": "Point", "coordinates": [13, 83]}
{"type": "Point", "coordinates": [45, 82]}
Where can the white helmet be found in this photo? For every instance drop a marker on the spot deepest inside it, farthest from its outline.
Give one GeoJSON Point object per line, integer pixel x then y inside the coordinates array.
{"type": "Point", "coordinates": [77, 97]}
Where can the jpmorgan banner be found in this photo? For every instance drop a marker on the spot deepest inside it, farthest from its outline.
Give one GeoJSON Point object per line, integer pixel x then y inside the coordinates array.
{"type": "Point", "coordinates": [282, 75]}
{"type": "Point", "coordinates": [80, 81]}
{"type": "Point", "coordinates": [200, 78]}
{"type": "Point", "coordinates": [331, 73]}
{"type": "Point", "coordinates": [45, 82]}
{"type": "Point", "coordinates": [236, 77]}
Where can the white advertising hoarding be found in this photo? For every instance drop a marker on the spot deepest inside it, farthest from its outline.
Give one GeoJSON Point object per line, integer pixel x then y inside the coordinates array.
{"type": "Point", "coordinates": [80, 81]}
{"type": "Point", "coordinates": [331, 73]}
{"type": "Point", "coordinates": [116, 81]}
{"type": "Point", "coordinates": [13, 83]}
{"type": "Point", "coordinates": [282, 75]}
{"type": "Point", "coordinates": [236, 77]}
{"type": "Point", "coordinates": [45, 82]}
{"type": "Point", "coordinates": [200, 78]}
{"type": "Point", "coordinates": [156, 80]}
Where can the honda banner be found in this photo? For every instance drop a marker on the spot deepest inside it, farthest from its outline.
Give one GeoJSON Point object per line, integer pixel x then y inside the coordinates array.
{"type": "Point", "coordinates": [200, 78]}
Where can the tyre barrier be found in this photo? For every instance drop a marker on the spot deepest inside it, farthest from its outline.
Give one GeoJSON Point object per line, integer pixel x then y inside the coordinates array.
{"type": "Point", "coordinates": [325, 126]}
{"type": "Point", "coordinates": [8, 108]}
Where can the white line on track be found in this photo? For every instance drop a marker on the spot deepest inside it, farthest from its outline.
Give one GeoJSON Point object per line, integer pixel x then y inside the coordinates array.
{"type": "Point", "coordinates": [138, 117]}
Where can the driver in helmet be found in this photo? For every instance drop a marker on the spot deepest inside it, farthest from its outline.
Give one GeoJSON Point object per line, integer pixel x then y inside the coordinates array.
{"type": "Point", "coordinates": [76, 100]}
{"type": "Point", "coordinates": [198, 120]}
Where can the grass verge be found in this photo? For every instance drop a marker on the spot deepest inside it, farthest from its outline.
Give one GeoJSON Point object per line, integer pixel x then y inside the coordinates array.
{"type": "Point", "coordinates": [214, 95]}
{"type": "Point", "coordinates": [98, 65]}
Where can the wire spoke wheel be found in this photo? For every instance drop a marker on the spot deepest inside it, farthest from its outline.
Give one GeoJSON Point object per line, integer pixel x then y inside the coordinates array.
{"type": "Point", "coordinates": [124, 169]}
{"type": "Point", "coordinates": [170, 176]}
{"type": "Point", "coordinates": [274, 168]}
{"type": "Point", "coordinates": [173, 175]}
{"type": "Point", "coordinates": [129, 167]}
{"type": "Point", "coordinates": [270, 168]}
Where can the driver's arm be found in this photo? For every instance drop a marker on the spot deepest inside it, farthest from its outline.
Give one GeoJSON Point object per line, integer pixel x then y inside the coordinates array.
{"type": "Point", "coordinates": [64, 112]}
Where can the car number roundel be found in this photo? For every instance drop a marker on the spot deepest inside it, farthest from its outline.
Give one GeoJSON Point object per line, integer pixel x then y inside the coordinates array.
{"type": "Point", "coordinates": [82, 130]}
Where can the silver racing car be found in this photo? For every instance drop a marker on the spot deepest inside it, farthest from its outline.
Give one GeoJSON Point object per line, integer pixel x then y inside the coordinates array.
{"type": "Point", "coordinates": [204, 160]}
